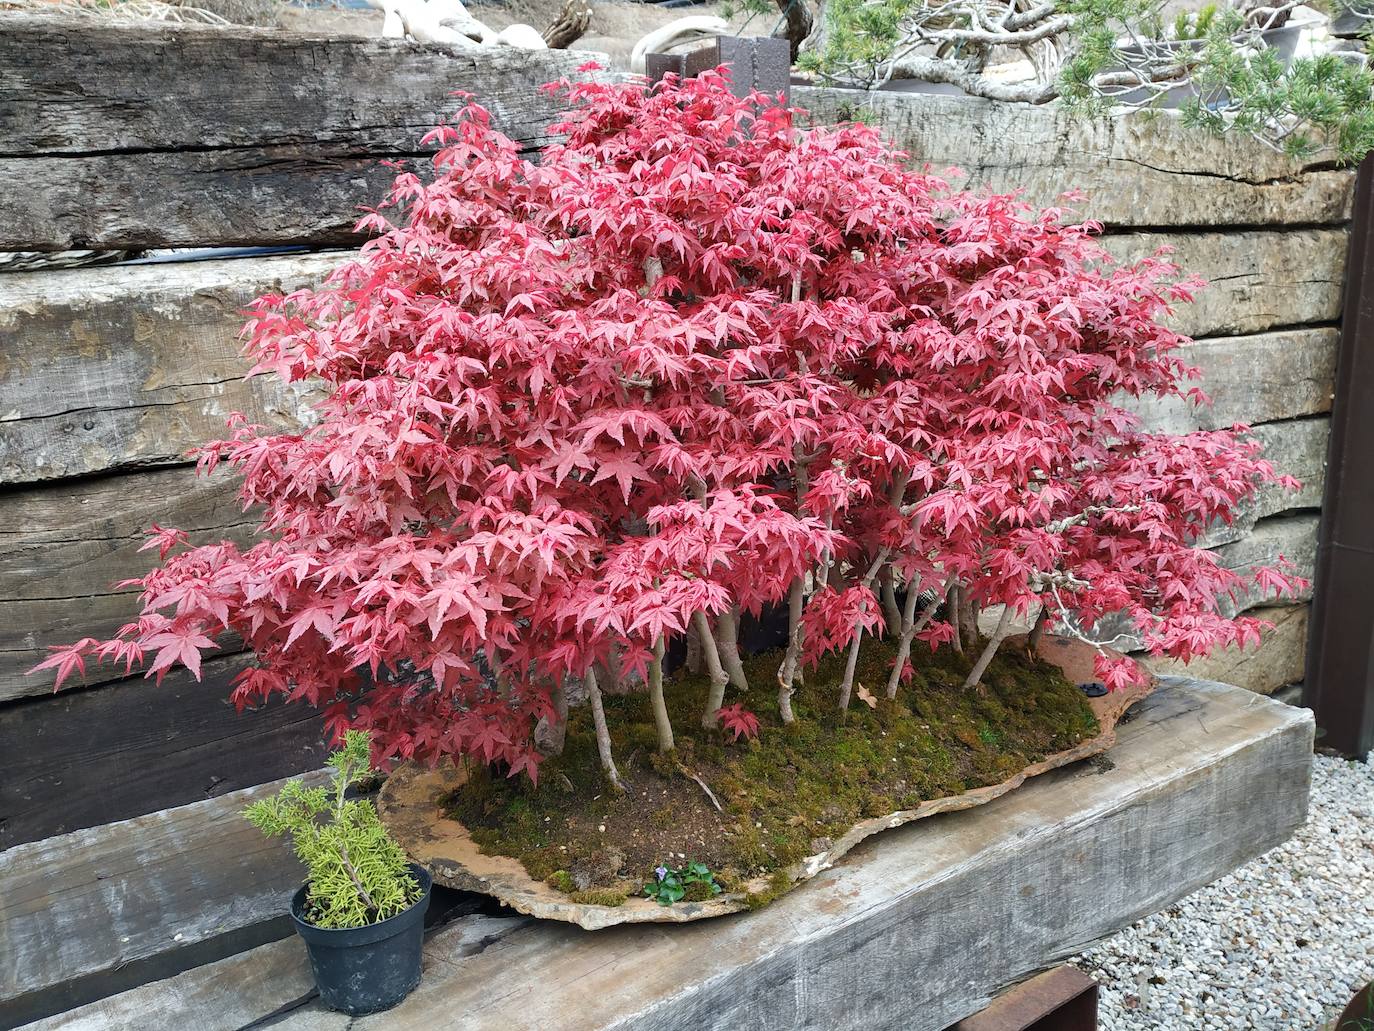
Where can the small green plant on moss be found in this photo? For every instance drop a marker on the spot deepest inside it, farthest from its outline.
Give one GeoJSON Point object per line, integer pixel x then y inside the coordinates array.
{"type": "Point", "coordinates": [358, 874]}
{"type": "Point", "coordinates": [694, 882]}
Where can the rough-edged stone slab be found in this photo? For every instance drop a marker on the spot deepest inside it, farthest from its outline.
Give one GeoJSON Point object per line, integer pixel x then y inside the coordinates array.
{"type": "Point", "coordinates": [1132, 171]}
{"type": "Point", "coordinates": [412, 804]}
{"type": "Point", "coordinates": [107, 368]}
{"type": "Point", "coordinates": [1251, 379]}
{"type": "Point", "coordinates": [915, 929]}
{"type": "Point", "coordinates": [1278, 660]}
{"type": "Point", "coordinates": [1256, 279]}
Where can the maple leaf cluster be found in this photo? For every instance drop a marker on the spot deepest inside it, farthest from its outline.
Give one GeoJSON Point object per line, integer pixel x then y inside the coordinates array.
{"type": "Point", "coordinates": [695, 362]}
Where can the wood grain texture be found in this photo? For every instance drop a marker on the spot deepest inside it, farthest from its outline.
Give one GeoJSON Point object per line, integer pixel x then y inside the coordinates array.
{"type": "Point", "coordinates": [1263, 377]}
{"type": "Point", "coordinates": [83, 758]}
{"type": "Point", "coordinates": [75, 905]}
{"type": "Point", "coordinates": [108, 368]}
{"type": "Point", "coordinates": [916, 929]}
{"type": "Point", "coordinates": [64, 547]}
{"type": "Point", "coordinates": [1131, 171]}
{"type": "Point", "coordinates": [280, 144]}
{"type": "Point", "coordinates": [1256, 279]}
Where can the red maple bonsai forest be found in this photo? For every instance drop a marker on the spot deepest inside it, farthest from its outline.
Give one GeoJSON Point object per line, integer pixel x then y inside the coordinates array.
{"type": "Point", "coordinates": [698, 362]}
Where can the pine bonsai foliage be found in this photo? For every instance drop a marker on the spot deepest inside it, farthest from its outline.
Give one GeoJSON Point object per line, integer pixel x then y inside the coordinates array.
{"type": "Point", "coordinates": [357, 875]}
{"type": "Point", "coordinates": [695, 362]}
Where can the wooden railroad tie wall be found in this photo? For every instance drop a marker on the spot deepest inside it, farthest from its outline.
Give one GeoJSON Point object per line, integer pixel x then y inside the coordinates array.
{"type": "Point", "coordinates": [108, 374]}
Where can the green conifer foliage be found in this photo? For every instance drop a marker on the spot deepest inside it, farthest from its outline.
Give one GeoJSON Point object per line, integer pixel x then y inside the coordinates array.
{"type": "Point", "coordinates": [357, 874]}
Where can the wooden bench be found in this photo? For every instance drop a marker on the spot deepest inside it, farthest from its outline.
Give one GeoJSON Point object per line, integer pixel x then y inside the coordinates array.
{"type": "Point", "coordinates": [917, 929]}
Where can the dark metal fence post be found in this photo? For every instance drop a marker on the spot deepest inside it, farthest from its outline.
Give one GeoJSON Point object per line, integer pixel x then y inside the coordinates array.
{"type": "Point", "coordinates": [755, 62]}
{"type": "Point", "coordinates": [1339, 684]}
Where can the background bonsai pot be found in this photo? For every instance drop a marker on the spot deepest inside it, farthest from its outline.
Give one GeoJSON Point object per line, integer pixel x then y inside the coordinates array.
{"type": "Point", "coordinates": [371, 968]}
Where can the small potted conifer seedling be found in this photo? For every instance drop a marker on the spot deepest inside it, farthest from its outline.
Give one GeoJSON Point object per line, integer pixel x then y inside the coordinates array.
{"type": "Point", "coordinates": [362, 912]}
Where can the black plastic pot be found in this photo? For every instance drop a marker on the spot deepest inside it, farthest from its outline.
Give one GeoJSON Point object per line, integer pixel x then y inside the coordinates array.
{"type": "Point", "coordinates": [366, 969]}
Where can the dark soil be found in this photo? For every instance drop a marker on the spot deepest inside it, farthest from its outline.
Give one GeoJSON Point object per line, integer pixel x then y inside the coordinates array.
{"type": "Point", "coordinates": [786, 795]}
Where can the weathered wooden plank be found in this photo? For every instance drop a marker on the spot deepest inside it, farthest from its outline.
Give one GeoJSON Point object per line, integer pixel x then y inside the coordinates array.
{"type": "Point", "coordinates": [83, 758]}
{"type": "Point", "coordinates": [1260, 378]}
{"type": "Point", "coordinates": [64, 546]}
{"type": "Point", "coordinates": [1297, 448]}
{"type": "Point", "coordinates": [107, 368]}
{"type": "Point", "coordinates": [916, 929]}
{"type": "Point", "coordinates": [87, 903]}
{"type": "Point", "coordinates": [280, 142]}
{"type": "Point", "coordinates": [1278, 661]}
{"type": "Point", "coordinates": [1256, 279]}
{"type": "Point", "coordinates": [67, 87]}
{"type": "Point", "coordinates": [1132, 171]}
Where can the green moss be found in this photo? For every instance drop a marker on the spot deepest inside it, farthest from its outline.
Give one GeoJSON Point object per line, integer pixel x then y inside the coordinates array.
{"type": "Point", "coordinates": [779, 882]}
{"type": "Point", "coordinates": [599, 897]}
{"type": "Point", "coordinates": [796, 784]}
{"type": "Point", "coordinates": [698, 891]}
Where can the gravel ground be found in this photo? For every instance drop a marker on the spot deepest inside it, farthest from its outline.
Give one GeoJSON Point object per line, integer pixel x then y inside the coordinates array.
{"type": "Point", "coordinates": [1280, 945]}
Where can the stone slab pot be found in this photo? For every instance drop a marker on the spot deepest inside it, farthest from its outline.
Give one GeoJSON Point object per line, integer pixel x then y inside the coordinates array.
{"type": "Point", "coordinates": [412, 806]}
{"type": "Point", "coordinates": [366, 969]}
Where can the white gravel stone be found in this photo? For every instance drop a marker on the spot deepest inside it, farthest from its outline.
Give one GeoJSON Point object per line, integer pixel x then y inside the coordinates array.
{"type": "Point", "coordinates": [1279, 945]}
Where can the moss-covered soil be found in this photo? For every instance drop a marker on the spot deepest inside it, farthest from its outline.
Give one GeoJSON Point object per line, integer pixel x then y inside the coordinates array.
{"type": "Point", "coordinates": [786, 795]}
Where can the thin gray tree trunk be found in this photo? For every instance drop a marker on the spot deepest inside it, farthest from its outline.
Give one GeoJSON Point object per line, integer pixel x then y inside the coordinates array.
{"type": "Point", "coordinates": [953, 608]}
{"type": "Point", "coordinates": [852, 661]}
{"type": "Point", "coordinates": [727, 645]}
{"type": "Point", "coordinates": [975, 675]}
{"type": "Point", "coordinates": [892, 614]}
{"type": "Point", "coordinates": [603, 736]}
{"type": "Point", "coordinates": [787, 672]}
{"type": "Point", "coordinates": [1038, 629]}
{"type": "Point", "coordinates": [693, 661]}
{"type": "Point", "coordinates": [660, 708]}
{"type": "Point", "coordinates": [909, 631]}
{"type": "Point", "coordinates": [719, 678]}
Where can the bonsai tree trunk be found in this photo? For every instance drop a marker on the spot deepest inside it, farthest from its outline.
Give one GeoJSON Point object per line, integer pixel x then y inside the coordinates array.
{"type": "Point", "coordinates": [715, 698]}
{"type": "Point", "coordinates": [892, 614]}
{"type": "Point", "coordinates": [852, 661]}
{"type": "Point", "coordinates": [568, 25]}
{"type": "Point", "coordinates": [797, 23]}
{"type": "Point", "coordinates": [954, 604]}
{"type": "Point", "coordinates": [1038, 631]}
{"type": "Point", "coordinates": [909, 632]}
{"type": "Point", "coordinates": [727, 644]}
{"type": "Point", "coordinates": [968, 619]}
{"type": "Point", "coordinates": [796, 597]}
{"type": "Point", "coordinates": [975, 675]}
{"type": "Point", "coordinates": [661, 721]}
{"type": "Point", "coordinates": [603, 736]}
{"type": "Point", "coordinates": [787, 672]}
{"type": "Point", "coordinates": [693, 660]}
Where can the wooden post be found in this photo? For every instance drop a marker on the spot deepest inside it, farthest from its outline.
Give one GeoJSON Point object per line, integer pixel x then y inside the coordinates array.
{"type": "Point", "coordinates": [1339, 685]}
{"type": "Point", "coordinates": [1062, 999]}
{"type": "Point", "coordinates": [755, 62]}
